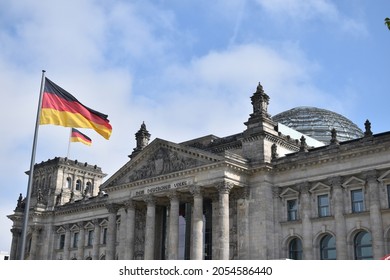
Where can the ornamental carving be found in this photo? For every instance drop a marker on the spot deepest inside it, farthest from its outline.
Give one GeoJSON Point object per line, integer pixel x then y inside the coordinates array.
{"type": "Point", "coordinates": [162, 162]}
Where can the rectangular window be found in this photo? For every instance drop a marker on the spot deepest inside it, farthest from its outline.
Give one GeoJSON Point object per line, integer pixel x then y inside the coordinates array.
{"type": "Point", "coordinates": [357, 201]}
{"type": "Point", "coordinates": [292, 210]}
{"type": "Point", "coordinates": [90, 237]}
{"type": "Point", "coordinates": [104, 241]}
{"type": "Point", "coordinates": [62, 242]}
{"type": "Point", "coordinates": [75, 239]}
{"type": "Point", "coordinates": [323, 205]}
{"type": "Point", "coordinates": [388, 196]}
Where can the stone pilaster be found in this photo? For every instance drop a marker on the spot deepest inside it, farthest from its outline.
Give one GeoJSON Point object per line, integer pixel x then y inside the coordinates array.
{"type": "Point", "coordinates": [339, 219]}
{"type": "Point", "coordinates": [150, 227]}
{"type": "Point", "coordinates": [67, 242]}
{"type": "Point", "coordinates": [81, 241]}
{"type": "Point", "coordinates": [96, 240]}
{"type": "Point", "coordinates": [16, 240]}
{"type": "Point", "coordinates": [375, 215]}
{"type": "Point", "coordinates": [111, 231]}
{"type": "Point", "coordinates": [34, 241]}
{"type": "Point", "coordinates": [224, 189]}
{"type": "Point", "coordinates": [307, 231]}
{"type": "Point", "coordinates": [243, 224]}
{"type": "Point", "coordinates": [197, 224]}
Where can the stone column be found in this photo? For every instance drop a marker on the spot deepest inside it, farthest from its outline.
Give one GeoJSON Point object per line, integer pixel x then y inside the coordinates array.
{"type": "Point", "coordinates": [307, 231]}
{"type": "Point", "coordinates": [173, 241]}
{"type": "Point", "coordinates": [197, 224]}
{"type": "Point", "coordinates": [34, 241]}
{"type": "Point", "coordinates": [67, 242]}
{"type": "Point", "coordinates": [111, 231]}
{"type": "Point", "coordinates": [378, 242]}
{"type": "Point", "coordinates": [150, 227]}
{"type": "Point", "coordinates": [96, 240]}
{"type": "Point", "coordinates": [16, 240]}
{"type": "Point", "coordinates": [340, 226]}
{"type": "Point", "coordinates": [224, 190]}
{"type": "Point", "coordinates": [81, 241]}
{"type": "Point", "coordinates": [130, 226]}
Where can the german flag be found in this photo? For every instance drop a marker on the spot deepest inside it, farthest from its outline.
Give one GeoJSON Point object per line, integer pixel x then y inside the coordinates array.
{"type": "Point", "coordinates": [77, 136]}
{"type": "Point", "coordinates": [59, 107]}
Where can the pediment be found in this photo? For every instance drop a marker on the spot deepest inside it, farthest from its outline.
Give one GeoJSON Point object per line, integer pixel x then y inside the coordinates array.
{"type": "Point", "coordinates": [89, 225]}
{"type": "Point", "coordinates": [159, 158]}
{"type": "Point", "coordinates": [74, 228]}
{"type": "Point", "coordinates": [61, 230]}
{"type": "Point", "coordinates": [353, 181]}
{"type": "Point", "coordinates": [320, 187]}
{"type": "Point", "coordinates": [289, 192]}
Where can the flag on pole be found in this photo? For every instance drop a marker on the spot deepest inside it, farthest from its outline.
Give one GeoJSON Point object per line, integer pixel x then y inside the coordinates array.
{"type": "Point", "coordinates": [77, 136]}
{"type": "Point", "coordinates": [59, 107]}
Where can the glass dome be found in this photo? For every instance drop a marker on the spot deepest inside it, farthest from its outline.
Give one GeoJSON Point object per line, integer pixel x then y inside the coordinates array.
{"type": "Point", "coordinates": [318, 123]}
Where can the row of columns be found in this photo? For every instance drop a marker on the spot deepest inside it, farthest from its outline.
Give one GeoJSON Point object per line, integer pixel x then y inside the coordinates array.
{"type": "Point", "coordinates": [197, 226]}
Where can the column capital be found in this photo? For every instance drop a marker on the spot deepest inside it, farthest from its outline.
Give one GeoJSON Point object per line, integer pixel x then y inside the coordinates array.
{"type": "Point", "coordinates": [129, 204]}
{"type": "Point", "coordinates": [304, 187]}
{"type": "Point", "coordinates": [196, 191]}
{"type": "Point", "coordinates": [80, 224]}
{"type": "Point", "coordinates": [240, 193]}
{"type": "Point", "coordinates": [224, 187]}
{"type": "Point", "coordinates": [335, 181]}
{"type": "Point", "coordinates": [173, 195]}
{"type": "Point", "coordinates": [16, 231]}
{"type": "Point", "coordinates": [113, 208]}
{"type": "Point", "coordinates": [371, 176]}
{"type": "Point", "coordinates": [149, 199]}
{"type": "Point", "coordinates": [36, 228]}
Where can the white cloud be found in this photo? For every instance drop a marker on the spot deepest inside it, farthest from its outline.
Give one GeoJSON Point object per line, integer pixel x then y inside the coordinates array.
{"type": "Point", "coordinates": [291, 12]}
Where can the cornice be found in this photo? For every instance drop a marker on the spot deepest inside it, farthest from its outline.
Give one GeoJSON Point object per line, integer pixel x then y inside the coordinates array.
{"type": "Point", "coordinates": [328, 154]}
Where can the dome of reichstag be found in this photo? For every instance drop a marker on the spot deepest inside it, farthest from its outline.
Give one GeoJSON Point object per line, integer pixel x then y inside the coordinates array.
{"type": "Point", "coordinates": [318, 123]}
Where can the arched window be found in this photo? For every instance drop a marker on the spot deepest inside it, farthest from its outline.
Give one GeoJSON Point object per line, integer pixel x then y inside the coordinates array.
{"type": "Point", "coordinates": [328, 247]}
{"type": "Point", "coordinates": [78, 185]}
{"type": "Point", "coordinates": [69, 182]}
{"type": "Point", "coordinates": [363, 246]}
{"type": "Point", "coordinates": [295, 249]}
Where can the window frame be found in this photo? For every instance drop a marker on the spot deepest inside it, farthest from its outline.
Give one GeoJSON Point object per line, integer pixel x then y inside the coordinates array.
{"type": "Point", "coordinates": [324, 250]}
{"type": "Point", "coordinates": [358, 248]}
{"type": "Point", "coordinates": [292, 213]}
{"type": "Point", "coordinates": [321, 207]}
{"type": "Point", "coordinates": [357, 206]}
{"type": "Point", "coordinates": [61, 241]}
{"type": "Point", "coordinates": [76, 236]}
{"type": "Point", "coordinates": [295, 249]}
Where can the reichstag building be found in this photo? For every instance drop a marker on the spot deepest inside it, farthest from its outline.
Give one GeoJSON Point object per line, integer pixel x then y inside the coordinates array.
{"type": "Point", "coordinates": [304, 184]}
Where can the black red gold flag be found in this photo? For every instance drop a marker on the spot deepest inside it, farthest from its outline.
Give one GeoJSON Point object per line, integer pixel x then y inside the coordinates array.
{"type": "Point", "coordinates": [77, 136]}
{"type": "Point", "coordinates": [59, 107]}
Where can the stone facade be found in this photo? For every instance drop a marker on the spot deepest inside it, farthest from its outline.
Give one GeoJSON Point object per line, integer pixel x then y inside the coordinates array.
{"type": "Point", "coordinates": [257, 194]}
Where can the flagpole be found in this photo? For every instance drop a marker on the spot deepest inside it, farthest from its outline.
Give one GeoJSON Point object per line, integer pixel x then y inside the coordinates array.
{"type": "Point", "coordinates": [70, 135]}
{"type": "Point", "coordinates": [30, 176]}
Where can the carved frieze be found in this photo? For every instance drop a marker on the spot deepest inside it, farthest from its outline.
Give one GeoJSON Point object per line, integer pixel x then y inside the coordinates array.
{"type": "Point", "coordinates": [162, 162]}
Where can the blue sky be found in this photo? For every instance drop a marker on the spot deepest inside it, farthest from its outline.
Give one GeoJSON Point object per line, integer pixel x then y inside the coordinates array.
{"type": "Point", "coordinates": [186, 68]}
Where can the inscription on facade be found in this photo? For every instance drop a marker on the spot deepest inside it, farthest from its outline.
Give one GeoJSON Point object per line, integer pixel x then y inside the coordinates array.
{"type": "Point", "coordinates": [162, 188]}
